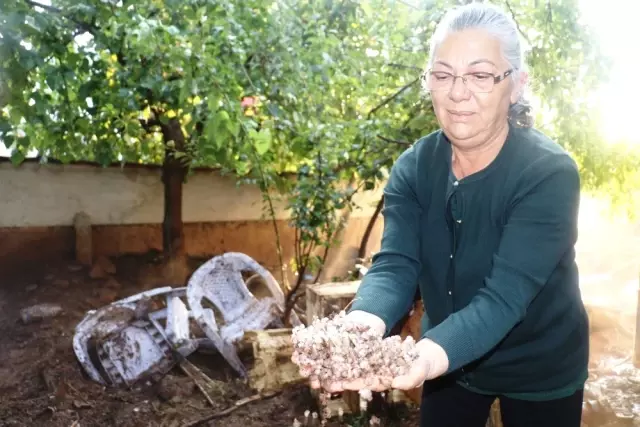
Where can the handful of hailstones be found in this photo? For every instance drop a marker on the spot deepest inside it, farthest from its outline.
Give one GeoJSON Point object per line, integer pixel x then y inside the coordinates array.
{"type": "Point", "coordinates": [334, 349]}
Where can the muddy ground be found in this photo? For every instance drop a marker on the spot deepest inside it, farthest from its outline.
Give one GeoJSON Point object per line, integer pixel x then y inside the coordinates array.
{"type": "Point", "coordinates": [42, 384]}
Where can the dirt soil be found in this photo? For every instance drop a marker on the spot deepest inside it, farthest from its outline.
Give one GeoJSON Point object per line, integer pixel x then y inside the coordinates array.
{"type": "Point", "coordinates": [42, 384]}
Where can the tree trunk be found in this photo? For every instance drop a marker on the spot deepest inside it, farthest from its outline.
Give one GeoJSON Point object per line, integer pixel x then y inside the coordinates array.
{"type": "Point", "coordinates": [174, 172]}
{"type": "Point", "coordinates": [362, 251]}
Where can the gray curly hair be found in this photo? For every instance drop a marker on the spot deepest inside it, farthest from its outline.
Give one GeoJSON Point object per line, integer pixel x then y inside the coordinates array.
{"type": "Point", "coordinates": [501, 26]}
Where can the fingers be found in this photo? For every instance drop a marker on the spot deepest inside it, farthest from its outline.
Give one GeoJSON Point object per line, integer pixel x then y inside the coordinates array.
{"type": "Point", "coordinates": [334, 387]}
{"type": "Point", "coordinates": [406, 382]}
{"type": "Point", "coordinates": [373, 384]}
{"type": "Point", "coordinates": [314, 382]}
{"type": "Point", "coordinates": [355, 385]}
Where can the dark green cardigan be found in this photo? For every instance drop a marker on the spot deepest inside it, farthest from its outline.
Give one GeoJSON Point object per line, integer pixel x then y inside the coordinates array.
{"type": "Point", "coordinates": [493, 256]}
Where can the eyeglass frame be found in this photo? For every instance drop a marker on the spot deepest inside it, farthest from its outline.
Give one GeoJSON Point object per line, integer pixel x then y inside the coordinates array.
{"type": "Point", "coordinates": [496, 78]}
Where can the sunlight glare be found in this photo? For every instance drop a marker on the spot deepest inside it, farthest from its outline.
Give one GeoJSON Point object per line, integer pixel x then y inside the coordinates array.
{"type": "Point", "coordinates": [614, 23]}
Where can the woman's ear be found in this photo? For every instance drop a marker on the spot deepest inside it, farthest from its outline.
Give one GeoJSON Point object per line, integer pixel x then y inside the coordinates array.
{"type": "Point", "coordinates": [519, 86]}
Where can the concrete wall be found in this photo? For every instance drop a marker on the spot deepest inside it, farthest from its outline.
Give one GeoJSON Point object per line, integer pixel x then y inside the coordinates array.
{"type": "Point", "coordinates": [39, 202]}
{"type": "Point", "coordinates": [36, 195]}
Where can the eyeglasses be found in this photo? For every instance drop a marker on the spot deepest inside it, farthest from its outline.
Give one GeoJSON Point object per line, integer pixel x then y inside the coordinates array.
{"type": "Point", "coordinates": [478, 82]}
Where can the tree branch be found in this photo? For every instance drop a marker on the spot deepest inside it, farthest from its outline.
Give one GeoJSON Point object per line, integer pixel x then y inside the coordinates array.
{"type": "Point", "coordinates": [392, 97]}
{"type": "Point", "coordinates": [46, 7]}
{"type": "Point", "coordinates": [82, 26]}
{"type": "Point", "coordinates": [513, 15]}
{"type": "Point", "coordinates": [412, 6]}
{"type": "Point", "coordinates": [408, 67]}
{"type": "Point", "coordinates": [240, 403]}
{"type": "Point", "coordinates": [362, 250]}
{"type": "Point", "coordinates": [395, 141]}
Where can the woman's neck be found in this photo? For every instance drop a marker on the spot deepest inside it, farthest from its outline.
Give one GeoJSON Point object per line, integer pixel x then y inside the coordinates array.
{"type": "Point", "coordinates": [466, 161]}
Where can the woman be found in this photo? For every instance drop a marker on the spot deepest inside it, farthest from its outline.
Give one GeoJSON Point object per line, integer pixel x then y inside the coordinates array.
{"type": "Point", "coordinates": [482, 217]}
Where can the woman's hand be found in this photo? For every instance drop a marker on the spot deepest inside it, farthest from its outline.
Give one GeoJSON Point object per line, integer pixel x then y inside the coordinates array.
{"type": "Point", "coordinates": [431, 363]}
{"type": "Point", "coordinates": [360, 320]}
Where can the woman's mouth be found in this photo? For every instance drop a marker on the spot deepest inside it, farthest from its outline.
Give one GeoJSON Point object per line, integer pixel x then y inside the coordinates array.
{"type": "Point", "coordinates": [460, 116]}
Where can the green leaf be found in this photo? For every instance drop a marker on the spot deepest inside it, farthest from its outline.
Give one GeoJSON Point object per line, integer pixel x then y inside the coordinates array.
{"type": "Point", "coordinates": [261, 140]}
{"type": "Point", "coordinates": [17, 157]}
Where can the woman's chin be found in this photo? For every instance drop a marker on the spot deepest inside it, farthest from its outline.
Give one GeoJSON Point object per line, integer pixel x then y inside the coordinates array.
{"type": "Point", "coordinates": [460, 131]}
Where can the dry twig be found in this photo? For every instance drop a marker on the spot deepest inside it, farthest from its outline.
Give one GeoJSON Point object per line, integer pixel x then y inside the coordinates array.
{"type": "Point", "coordinates": [240, 403]}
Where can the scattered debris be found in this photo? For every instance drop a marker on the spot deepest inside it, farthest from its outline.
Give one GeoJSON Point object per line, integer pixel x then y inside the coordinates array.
{"type": "Point", "coordinates": [125, 346]}
{"type": "Point", "coordinates": [102, 268]}
{"type": "Point", "coordinates": [39, 312]}
{"type": "Point", "coordinates": [602, 404]}
{"type": "Point", "coordinates": [147, 334]}
{"type": "Point", "coordinates": [239, 404]}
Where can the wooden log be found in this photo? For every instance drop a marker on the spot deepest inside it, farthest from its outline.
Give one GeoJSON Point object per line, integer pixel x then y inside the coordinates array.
{"type": "Point", "coordinates": [272, 367]}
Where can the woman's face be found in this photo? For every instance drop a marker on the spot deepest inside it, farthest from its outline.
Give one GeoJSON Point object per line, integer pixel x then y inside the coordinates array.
{"type": "Point", "coordinates": [467, 115]}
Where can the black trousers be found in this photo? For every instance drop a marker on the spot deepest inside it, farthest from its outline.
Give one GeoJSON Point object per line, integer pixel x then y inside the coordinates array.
{"type": "Point", "coordinates": [447, 404]}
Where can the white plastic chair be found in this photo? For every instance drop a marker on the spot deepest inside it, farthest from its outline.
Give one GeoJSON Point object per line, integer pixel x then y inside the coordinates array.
{"type": "Point", "coordinates": [220, 282]}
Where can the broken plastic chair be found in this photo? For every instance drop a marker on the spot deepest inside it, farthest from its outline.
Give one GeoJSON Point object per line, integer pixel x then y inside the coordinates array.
{"type": "Point", "coordinates": [123, 342]}
{"type": "Point", "coordinates": [219, 281]}
{"type": "Point", "coordinates": [127, 341]}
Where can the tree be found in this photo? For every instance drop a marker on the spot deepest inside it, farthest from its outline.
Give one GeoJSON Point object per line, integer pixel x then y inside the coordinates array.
{"type": "Point", "coordinates": [328, 90]}
{"type": "Point", "coordinates": [156, 82]}
{"type": "Point", "coordinates": [251, 88]}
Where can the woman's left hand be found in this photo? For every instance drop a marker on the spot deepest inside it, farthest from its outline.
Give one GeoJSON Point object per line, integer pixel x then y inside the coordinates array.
{"type": "Point", "coordinates": [431, 363]}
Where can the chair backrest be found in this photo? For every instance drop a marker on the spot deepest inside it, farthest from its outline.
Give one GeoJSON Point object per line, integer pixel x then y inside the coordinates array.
{"type": "Point", "coordinates": [220, 281]}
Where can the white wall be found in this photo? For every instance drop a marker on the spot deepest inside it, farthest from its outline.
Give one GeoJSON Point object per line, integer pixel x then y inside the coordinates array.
{"type": "Point", "coordinates": [50, 195]}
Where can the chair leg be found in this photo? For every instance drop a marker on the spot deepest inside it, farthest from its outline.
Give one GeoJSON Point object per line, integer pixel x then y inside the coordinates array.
{"type": "Point", "coordinates": [228, 351]}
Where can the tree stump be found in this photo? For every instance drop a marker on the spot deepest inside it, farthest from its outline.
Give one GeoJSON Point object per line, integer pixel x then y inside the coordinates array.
{"type": "Point", "coordinates": [272, 369]}
{"type": "Point", "coordinates": [326, 299]}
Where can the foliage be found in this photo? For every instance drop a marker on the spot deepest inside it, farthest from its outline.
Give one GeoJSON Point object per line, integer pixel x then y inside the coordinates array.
{"type": "Point", "coordinates": [567, 66]}
{"type": "Point", "coordinates": [324, 90]}
{"type": "Point", "coordinates": [327, 106]}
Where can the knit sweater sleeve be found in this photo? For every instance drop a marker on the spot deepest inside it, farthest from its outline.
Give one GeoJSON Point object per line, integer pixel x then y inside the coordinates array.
{"type": "Point", "coordinates": [540, 229]}
{"type": "Point", "coordinates": [388, 288]}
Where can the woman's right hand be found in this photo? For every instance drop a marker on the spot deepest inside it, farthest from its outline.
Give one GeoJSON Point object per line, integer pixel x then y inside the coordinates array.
{"type": "Point", "coordinates": [361, 320]}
